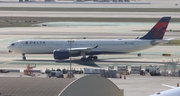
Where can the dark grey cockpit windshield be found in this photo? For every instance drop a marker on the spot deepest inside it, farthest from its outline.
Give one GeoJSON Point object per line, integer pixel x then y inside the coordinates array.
{"type": "Point", "coordinates": [12, 44]}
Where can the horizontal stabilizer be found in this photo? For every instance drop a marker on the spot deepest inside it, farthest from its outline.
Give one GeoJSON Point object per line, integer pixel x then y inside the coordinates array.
{"type": "Point", "coordinates": [155, 42]}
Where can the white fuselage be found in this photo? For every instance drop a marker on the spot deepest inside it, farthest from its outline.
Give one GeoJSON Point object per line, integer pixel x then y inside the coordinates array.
{"type": "Point", "coordinates": [104, 45]}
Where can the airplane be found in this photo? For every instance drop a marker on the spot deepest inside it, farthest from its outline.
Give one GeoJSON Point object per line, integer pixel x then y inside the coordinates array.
{"type": "Point", "coordinates": [171, 92]}
{"type": "Point", "coordinates": [63, 49]}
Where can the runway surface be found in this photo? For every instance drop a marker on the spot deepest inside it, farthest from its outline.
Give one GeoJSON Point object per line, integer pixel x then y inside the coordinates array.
{"type": "Point", "coordinates": [150, 4]}
{"type": "Point", "coordinates": [77, 30]}
{"type": "Point", "coordinates": [89, 14]}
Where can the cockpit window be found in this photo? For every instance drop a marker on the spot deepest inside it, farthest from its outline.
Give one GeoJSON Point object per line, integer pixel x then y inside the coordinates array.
{"type": "Point", "coordinates": [12, 44]}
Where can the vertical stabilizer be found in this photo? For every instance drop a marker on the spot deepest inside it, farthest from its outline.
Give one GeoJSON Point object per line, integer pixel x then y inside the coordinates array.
{"type": "Point", "coordinates": [158, 31]}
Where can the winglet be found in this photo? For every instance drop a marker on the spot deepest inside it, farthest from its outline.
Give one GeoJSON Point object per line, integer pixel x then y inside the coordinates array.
{"type": "Point", "coordinates": [170, 39]}
{"type": "Point", "coordinates": [158, 31]}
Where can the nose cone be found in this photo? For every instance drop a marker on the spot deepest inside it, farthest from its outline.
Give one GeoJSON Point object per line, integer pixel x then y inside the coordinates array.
{"type": "Point", "coordinates": [9, 47]}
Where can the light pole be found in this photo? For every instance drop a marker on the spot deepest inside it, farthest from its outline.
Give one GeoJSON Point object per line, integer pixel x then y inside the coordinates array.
{"type": "Point", "coordinates": [70, 45]}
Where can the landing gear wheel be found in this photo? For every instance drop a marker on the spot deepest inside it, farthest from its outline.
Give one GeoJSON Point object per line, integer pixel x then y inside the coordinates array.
{"type": "Point", "coordinates": [95, 57]}
{"type": "Point", "coordinates": [89, 58]}
{"type": "Point", "coordinates": [24, 58]}
{"type": "Point", "coordinates": [139, 54]}
{"type": "Point", "coordinates": [83, 59]}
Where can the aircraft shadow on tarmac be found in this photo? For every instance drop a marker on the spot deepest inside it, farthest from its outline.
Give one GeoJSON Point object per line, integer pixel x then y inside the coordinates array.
{"type": "Point", "coordinates": [92, 63]}
{"type": "Point", "coordinates": [85, 63]}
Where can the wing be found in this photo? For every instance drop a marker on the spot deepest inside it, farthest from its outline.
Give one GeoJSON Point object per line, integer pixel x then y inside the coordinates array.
{"type": "Point", "coordinates": [82, 49]}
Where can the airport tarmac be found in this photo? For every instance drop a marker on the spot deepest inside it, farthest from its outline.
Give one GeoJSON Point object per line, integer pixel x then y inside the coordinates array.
{"type": "Point", "coordinates": [79, 30]}
{"type": "Point", "coordinates": [149, 4]}
{"type": "Point", "coordinates": [88, 14]}
{"type": "Point", "coordinates": [134, 85]}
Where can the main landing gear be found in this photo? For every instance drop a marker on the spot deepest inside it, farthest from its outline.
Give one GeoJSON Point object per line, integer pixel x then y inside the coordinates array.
{"type": "Point", "coordinates": [24, 57]}
{"type": "Point", "coordinates": [90, 58]}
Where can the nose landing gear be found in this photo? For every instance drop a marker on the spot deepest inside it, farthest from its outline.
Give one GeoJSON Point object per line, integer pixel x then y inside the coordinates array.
{"type": "Point", "coordinates": [9, 51]}
{"type": "Point", "coordinates": [24, 57]}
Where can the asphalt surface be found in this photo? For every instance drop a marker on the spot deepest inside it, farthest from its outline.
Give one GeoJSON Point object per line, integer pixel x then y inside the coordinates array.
{"type": "Point", "coordinates": [134, 85]}
{"type": "Point", "coordinates": [150, 4]}
{"type": "Point", "coordinates": [89, 14]}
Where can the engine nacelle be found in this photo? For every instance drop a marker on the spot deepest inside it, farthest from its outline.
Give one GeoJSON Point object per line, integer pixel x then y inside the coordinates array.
{"type": "Point", "coordinates": [61, 54]}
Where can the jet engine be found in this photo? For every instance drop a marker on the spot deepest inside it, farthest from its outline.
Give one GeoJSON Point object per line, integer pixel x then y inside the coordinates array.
{"type": "Point", "coordinates": [61, 54]}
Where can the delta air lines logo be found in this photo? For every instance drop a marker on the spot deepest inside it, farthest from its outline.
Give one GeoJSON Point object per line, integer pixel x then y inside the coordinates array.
{"type": "Point", "coordinates": [158, 31]}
